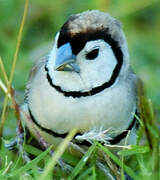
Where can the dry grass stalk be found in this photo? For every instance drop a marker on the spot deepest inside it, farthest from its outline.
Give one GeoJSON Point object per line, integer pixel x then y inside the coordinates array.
{"type": "Point", "coordinates": [10, 90]}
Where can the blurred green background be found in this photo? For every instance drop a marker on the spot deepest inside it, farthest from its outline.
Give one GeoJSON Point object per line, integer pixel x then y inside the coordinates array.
{"type": "Point", "coordinates": [140, 19]}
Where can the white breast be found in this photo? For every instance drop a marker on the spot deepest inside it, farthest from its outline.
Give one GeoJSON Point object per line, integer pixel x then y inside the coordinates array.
{"type": "Point", "coordinates": [111, 108]}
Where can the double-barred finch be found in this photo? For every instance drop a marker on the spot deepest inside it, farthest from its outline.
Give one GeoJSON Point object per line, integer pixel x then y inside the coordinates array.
{"type": "Point", "coordinates": [86, 82]}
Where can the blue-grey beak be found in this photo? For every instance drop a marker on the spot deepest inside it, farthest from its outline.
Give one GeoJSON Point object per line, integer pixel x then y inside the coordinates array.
{"type": "Point", "coordinates": [65, 60]}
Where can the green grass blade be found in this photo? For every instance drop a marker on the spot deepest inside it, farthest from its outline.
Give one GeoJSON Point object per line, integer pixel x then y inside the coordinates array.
{"type": "Point", "coordinates": [32, 150]}
{"type": "Point", "coordinates": [85, 174]}
{"type": "Point", "coordinates": [82, 162]}
{"type": "Point", "coordinates": [134, 150]}
{"type": "Point", "coordinates": [118, 162]}
{"type": "Point", "coordinates": [30, 164]}
{"type": "Point", "coordinates": [58, 153]}
{"type": "Point", "coordinates": [94, 172]}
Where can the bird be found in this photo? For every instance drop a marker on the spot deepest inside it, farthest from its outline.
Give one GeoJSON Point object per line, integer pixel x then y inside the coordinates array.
{"type": "Point", "coordinates": [85, 82]}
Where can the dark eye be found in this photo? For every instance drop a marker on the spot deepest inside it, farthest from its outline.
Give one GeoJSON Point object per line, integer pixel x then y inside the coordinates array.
{"type": "Point", "coordinates": [93, 54]}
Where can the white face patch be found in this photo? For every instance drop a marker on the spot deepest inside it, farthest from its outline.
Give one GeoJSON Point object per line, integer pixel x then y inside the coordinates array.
{"type": "Point", "coordinates": [99, 70]}
{"type": "Point", "coordinates": [93, 72]}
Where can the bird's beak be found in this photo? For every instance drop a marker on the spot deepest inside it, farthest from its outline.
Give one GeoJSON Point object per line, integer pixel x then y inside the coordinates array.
{"type": "Point", "coordinates": [65, 60]}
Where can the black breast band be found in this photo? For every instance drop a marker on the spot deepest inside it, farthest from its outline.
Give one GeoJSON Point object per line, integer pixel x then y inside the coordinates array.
{"type": "Point", "coordinates": [113, 141]}
{"type": "Point", "coordinates": [77, 94]}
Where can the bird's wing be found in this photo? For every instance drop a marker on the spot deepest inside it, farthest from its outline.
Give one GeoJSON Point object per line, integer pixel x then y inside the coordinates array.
{"type": "Point", "coordinates": [32, 74]}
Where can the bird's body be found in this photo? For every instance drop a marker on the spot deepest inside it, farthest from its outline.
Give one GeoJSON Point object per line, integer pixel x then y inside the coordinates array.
{"type": "Point", "coordinates": [86, 82]}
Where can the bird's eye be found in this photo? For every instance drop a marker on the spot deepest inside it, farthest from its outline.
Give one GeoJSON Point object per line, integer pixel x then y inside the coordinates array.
{"type": "Point", "coordinates": [93, 54]}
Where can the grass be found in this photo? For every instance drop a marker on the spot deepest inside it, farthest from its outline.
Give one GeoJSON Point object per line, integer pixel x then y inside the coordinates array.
{"type": "Point", "coordinates": [138, 161]}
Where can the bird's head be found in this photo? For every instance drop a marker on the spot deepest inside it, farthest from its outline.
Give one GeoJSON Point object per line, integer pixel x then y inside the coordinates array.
{"type": "Point", "coordinates": [89, 47]}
